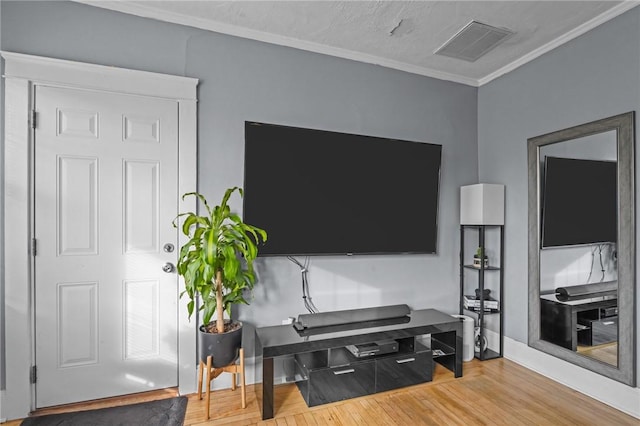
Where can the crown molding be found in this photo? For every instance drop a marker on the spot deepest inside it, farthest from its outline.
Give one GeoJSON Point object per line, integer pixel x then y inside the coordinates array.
{"type": "Point", "coordinates": [146, 11]}
{"type": "Point", "coordinates": [565, 38]}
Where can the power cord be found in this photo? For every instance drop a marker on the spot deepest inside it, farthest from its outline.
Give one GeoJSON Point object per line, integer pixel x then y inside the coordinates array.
{"type": "Point", "coordinates": [306, 295]}
{"type": "Point", "coordinates": [599, 248]}
{"type": "Point", "coordinates": [593, 251]}
{"type": "Point", "coordinates": [601, 264]}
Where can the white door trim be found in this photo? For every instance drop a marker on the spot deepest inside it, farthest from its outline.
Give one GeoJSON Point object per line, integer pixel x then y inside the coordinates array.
{"type": "Point", "coordinates": [21, 73]}
{"type": "Point", "coordinates": [60, 72]}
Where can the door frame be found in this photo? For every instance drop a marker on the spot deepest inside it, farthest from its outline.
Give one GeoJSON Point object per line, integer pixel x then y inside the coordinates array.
{"type": "Point", "coordinates": [22, 73]}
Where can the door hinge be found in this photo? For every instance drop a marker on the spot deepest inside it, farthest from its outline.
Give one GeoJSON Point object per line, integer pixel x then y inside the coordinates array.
{"type": "Point", "coordinates": [34, 114]}
{"type": "Point", "coordinates": [34, 247]}
{"type": "Point", "coordinates": [33, 375]}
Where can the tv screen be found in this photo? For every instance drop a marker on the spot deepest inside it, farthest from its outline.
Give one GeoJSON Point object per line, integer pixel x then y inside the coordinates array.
{"type": "Point", "coordinates": [579, 203]}
{"type": "Point", "coordinates": [321, 193]}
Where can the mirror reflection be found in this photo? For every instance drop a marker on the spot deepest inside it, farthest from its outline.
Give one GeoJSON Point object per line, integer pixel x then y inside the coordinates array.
{"type": "Point", "coordinates": [578, 251]}
{"type": "Point", "coordinates": [582, 245]}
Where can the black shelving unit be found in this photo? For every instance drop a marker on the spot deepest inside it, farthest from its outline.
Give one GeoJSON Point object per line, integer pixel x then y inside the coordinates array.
{"type": "Point", "coordinates": [481, 313]}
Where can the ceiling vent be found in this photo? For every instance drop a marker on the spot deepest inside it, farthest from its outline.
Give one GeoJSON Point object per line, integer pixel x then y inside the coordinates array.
{"type": "Point", "coordinates": [473, 41]}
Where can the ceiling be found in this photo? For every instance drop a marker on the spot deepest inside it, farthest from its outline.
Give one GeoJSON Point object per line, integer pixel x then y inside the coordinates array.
{"type": "Point", "coordinates": [396, 34]}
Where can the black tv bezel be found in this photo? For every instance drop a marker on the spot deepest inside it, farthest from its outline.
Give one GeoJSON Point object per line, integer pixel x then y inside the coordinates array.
{"type": "Point", "coordinates": [359, 253]}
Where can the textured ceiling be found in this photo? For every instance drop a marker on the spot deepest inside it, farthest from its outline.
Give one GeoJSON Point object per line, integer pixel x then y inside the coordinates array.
{"type": "Point", "coordinates": [396, 34]}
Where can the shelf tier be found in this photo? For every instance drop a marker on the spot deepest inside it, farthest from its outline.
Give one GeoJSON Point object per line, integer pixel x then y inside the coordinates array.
{"type": "Point", "coordinates": [488, 268]}
{"type": "Point", "coordinates": [486, 311]}
{"type": "Point", "coordinates": [446, 349]}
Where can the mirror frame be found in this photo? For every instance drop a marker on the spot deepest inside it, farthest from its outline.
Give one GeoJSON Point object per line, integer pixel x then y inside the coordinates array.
{"type": "Point", "coordinates": [624, 125]}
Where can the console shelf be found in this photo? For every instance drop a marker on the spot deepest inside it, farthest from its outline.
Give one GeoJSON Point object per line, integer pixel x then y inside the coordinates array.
{"type": "Point", "coordinates": [437, 346]}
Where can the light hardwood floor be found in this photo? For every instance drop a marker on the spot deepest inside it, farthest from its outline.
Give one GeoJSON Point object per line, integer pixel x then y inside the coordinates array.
{"type": "Point", "coordinates": [496, 392]}
{"type": "Point", "coordinates": [606, 353]}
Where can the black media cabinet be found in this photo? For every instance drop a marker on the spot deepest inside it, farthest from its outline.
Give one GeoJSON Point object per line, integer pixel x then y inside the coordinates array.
{"type": "Point", "coordinates": [587, 321]}
{"type": "Point", "coordinates": [335, 374]}
{"type": "Point", "coordinates": [328, 372]}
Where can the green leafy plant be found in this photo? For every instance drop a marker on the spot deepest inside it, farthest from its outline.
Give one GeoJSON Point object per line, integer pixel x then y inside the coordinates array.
{"type": "Point", "coordinates": [480, 252]}
{"type": "Point", "coordinates": [217, 261]}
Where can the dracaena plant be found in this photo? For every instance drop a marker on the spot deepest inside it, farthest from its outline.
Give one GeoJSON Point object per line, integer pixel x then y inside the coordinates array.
{"type": "Point", "coordinates": [217, 261]}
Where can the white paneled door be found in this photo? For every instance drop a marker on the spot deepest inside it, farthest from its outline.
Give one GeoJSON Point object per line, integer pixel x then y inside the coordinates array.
{"type": "Point", "coordinates": [105, 195]}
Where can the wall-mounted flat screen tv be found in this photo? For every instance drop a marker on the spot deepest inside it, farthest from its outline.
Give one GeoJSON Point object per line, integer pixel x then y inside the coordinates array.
{"type": "Point", "coordinates": [319, 192]}
{"type": "Point", "coordinates": [579, 202]}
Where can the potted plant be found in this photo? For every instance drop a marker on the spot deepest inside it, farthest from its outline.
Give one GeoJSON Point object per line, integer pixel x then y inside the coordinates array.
{"type": "Point", "coordinates": [217, 266]}
{"type": "Point", "coordinates": [479, 257]}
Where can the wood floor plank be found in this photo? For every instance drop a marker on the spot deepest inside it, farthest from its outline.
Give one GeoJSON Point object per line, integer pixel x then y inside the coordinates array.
{"type": "Point", "coordinates": [308, 417]}
{"type": "Point", "coordinates": [328, 417]}
{"type": "Point", "coordinates": [496, 392]}
{"type": "Point", "coordinates": [350, 413]}
{"type": "Point", "coordinates": [375, 413]}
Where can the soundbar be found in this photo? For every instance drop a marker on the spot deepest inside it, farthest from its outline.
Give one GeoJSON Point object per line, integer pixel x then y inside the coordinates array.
{"type": "Point", "coordinates": [588, 289]}
{"type": "Point", "coordinates": [325, 319]}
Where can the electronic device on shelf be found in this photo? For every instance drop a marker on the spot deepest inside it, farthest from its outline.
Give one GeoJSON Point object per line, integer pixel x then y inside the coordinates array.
{"type": "Point", "coordinates": [380, 347]}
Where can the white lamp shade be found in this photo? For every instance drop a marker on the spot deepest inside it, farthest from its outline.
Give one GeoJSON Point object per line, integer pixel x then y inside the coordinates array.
{"type": "Point", "coordinates": [482, 204]}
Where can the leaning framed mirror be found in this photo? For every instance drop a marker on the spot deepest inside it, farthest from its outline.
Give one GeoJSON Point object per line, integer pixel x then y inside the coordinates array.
{"type": "Point", "coordinates": [582, 245]}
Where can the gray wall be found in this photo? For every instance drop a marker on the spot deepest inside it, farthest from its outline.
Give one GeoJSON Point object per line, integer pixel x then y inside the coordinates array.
{"type": "Point", "coordinates": [594, 76]}
{"type": "Point", "coordinates": [248, 80]}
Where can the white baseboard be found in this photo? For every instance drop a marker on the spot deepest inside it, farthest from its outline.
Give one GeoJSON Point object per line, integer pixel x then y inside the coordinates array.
{"type": "Point", "coordinates": [615, 394]}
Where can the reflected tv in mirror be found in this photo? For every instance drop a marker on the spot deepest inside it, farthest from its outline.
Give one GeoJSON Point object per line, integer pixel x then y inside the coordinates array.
{"type": "Point", "coordinates": [318, 192]}
{"type": "Point", "coordinates": [579, 202]}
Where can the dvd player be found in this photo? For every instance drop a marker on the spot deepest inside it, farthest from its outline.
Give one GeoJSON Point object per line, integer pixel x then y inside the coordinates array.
{"type": "Point", "coordinates": [374, 348]}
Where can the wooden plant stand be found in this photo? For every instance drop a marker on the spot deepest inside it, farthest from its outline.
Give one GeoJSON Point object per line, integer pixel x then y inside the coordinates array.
{"type": "Point", "coordinates": [213, 372]}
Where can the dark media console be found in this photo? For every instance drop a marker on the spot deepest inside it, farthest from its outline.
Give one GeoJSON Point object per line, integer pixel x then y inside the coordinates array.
{"type": "Point", "coordinates": [335, 374]}
{"type": "Point", "coordinates": [328, 371]}
{"type": "Point", "coordinates": [586, 321]}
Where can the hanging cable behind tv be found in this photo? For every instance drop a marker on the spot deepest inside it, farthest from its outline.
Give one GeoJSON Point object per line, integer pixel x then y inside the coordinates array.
{"type": "Point", "coordinates": [306, 295]}
{"type": "Point", "coordinates": [603, 269]}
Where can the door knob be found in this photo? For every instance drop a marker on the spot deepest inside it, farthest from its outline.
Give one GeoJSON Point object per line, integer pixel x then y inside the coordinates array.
{"type": "Point", "coordinates": [168, 267]}
{"type": "Point", "coordinates": [168, 248]}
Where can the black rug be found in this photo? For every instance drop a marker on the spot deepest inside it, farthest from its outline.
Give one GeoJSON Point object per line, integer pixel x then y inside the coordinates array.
{"type": "Point", "coordinates": [164, 412]}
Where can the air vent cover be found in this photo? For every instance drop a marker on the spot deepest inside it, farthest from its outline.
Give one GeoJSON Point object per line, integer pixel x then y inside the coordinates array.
{"type": "Point", "coordinates": [473, 41]}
